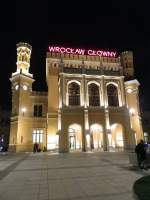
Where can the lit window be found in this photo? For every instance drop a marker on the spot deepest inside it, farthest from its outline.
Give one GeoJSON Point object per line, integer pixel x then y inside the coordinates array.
{"type": "Point", "coordinates": [41, 138]}
{"type": "Point", "coordinates": [37, 136]}
{"type": "Point", "coordinates": [34, 138]}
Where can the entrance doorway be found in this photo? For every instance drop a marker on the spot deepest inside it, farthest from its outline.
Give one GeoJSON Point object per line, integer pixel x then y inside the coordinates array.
{"type": "Point", "coordinates": [96, 136]}
{"type": "Point", "coordinates": [116, 137]}
{"type": "Point", "coordinates": [75, 137]}
{"type": "Point", "coordinates": [72, 142]}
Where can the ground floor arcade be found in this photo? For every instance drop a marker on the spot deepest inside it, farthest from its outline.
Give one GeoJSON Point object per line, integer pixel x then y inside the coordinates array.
{"type": "Point", "coordinates": [96, 139]}
{"type": "Point", "coordinates": [78, 131]}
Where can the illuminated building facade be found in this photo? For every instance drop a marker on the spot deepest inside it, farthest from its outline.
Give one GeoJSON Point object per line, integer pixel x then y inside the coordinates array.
{"type": "Point", "coordinates": [92, 102]}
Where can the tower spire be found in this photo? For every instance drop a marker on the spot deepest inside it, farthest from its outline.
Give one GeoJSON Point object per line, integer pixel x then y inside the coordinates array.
{"type": "Point", "coordinates": [23, 57]}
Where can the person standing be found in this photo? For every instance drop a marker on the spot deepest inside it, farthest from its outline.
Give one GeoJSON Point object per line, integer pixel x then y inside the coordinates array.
{"type": "Point", "coordinates": [140, 150]}
{"type": "Point", "coordinates": [36, 147]}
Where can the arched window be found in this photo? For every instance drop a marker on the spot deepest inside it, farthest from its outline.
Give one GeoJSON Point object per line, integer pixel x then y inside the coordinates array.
{"type": "Point", "coordinates": [112, 94]}
{"type": "Point", "coordinates": [74, 94]}
{"type": "Point", "coordinates": [93, 91]}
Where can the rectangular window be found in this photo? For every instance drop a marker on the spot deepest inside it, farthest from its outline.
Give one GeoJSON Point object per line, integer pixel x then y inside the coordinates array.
{"type": "Point", "coordinates": [37, 112]}
{"type": "Point", "coordinates": [37, 136]}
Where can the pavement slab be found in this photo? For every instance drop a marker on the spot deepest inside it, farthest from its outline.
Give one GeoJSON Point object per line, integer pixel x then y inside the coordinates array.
{"type": "Point", "coordinates": [71, 176]}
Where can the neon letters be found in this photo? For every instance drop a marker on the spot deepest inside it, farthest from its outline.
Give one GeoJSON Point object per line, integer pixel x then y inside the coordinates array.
{"type": "Point", "coordinates": [90, 52]}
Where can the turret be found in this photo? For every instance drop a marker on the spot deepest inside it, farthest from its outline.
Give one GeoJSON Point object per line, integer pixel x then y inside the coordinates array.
{"type": "Point", "coordinates": [127, 63]}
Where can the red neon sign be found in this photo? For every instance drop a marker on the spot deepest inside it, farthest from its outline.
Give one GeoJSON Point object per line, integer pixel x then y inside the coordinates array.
{"type": "Point", "coordinates": [90, 52]}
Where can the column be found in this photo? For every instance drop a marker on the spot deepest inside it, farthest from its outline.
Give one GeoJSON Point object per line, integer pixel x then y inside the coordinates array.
{"type": "Point", "coordinates": [104, 92]}
{"type": "Point", "coordinates": [86, 128]}
{"type": "Point", "coordinates": [85, 113]}
{"type": "Point", "coordinates": [61, 91]}
{"type": "Point", "coordinates": [83, 91]}
{"type": "Point", "coordinates": [122, 92]}
{"type": "Point", "coordinates": [102, 103]}
{"type": "Point", "coordinates": [129, 138]}
{"type": "Point", "coordinates": [106, 131]}
{"type": "Point", "coordinates": [64, 91]}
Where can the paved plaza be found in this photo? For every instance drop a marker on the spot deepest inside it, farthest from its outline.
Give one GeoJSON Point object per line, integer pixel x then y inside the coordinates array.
{"type": "Point", "coordinates": [70, 176]}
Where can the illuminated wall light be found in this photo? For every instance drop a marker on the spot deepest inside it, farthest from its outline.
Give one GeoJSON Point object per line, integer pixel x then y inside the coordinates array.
{"type": "Point", "coordinates": [25, 87]}
{"type": "Point", "coordinates": [132, 111]}
{"type": "Point", "coordinates": [129, 90]}
{"type": "Point", "coordinates": [23, 110]}
{"type": "Point", "coordinates": [17, 87]}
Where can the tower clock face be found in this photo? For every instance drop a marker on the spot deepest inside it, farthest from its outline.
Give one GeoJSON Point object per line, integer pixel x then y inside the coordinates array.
{"type": "Point", "coordinates": [17, 87]}
{"type": "Point", "coordinates": [25, 87]}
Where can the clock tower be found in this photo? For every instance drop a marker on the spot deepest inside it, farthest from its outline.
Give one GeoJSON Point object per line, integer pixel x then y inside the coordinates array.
{"type": "Point", "coordinates": [21, 85]}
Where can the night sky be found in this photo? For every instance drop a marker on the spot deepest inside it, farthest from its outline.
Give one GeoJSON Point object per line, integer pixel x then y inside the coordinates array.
{"type": "Point", "coordinates": [114, 25]}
